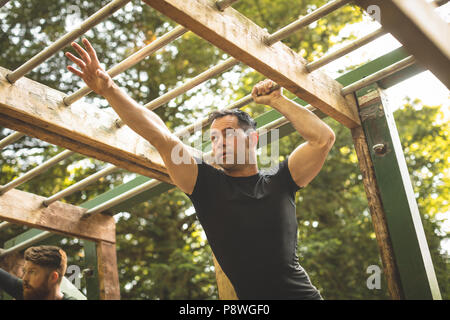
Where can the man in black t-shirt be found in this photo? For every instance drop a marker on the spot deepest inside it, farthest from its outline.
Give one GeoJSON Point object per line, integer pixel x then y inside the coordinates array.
{"type": "Point", "coordinates": [251, 225]}
{"type": "Point", "coordinates": [43, 271]}
{"type": "Point", "coordinates": [248, 216]}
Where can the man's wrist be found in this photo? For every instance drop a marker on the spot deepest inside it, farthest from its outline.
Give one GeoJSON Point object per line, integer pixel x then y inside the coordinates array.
{"type": "Point", "coordinates": [110, 91]}
{"type": "Point", "coordinates": [277, 102]}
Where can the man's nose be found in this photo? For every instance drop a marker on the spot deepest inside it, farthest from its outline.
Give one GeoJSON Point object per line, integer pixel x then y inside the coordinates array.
{"type": "Point", "coordinates": [218, 142]}
{"type": "Point", "coordinates": [223, 145]}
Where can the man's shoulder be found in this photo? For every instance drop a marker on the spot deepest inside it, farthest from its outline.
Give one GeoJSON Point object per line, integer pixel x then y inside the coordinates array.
{"type": "Point", "coordinates": [280, 175]}
{"type": "Point", "coordinates": [274, 169]}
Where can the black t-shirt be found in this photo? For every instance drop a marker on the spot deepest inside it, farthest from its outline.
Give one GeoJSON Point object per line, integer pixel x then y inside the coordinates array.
{"type": "Point", "coordinates": [251, 226]}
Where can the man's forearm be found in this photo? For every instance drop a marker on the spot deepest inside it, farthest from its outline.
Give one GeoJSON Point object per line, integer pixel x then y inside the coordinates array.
{"type": "Point", "coordinates": [307, 124]}
{"type": "Point", "coordinates": [145, 122]}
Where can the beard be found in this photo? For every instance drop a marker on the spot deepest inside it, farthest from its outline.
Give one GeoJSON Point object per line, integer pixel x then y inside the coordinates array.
{"type": "Point", "coordinates": [40, 293]}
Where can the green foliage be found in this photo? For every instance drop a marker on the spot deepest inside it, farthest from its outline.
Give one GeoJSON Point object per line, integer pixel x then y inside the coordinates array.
{"type": "Point", "coordinates": [161, 251]}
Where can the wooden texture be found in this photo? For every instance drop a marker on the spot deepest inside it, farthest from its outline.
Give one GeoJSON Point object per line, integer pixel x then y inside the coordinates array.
{"type": "Point", "coordinates": [244, 40]}
{"type": "Point", "coordinates": [420, 29]}
{"type": "Point", "coordinates": [377, 213]}
{"type": "Point", "coordinates": [26, 208]}
{"type": "Point", "coordinates": [107, 271]}
{"type": "Point", "coordinates": [224, 286]}
{"type": "Point", "coordinates": [38, 111]}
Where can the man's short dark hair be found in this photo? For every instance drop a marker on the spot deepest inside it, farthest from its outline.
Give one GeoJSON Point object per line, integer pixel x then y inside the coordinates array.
{"type": "Point", "coordinates": [244, 120]}
{"type": "Point", "coordinates": [51, 257]}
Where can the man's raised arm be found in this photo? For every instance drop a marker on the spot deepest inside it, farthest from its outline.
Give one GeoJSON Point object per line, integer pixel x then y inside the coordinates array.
{"type": "Point", "coordinates": [308, 158]}
{"type": "Point", "coordinates": [143, 121]}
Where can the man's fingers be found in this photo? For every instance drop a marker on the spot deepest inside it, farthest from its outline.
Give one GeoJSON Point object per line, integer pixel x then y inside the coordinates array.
{"type": "Point", "coordinates": [90, 49]}
{"type": "Point", "coordinates": [263, 88]}
{"type": "Point", "coordinates": [79, 62]}
{"type": "Point", "coordinates": [267, 85]}
{"type": "Point", "coordinates": [83, 54]}
{"type": "Point", "coordinates": [75, 71]}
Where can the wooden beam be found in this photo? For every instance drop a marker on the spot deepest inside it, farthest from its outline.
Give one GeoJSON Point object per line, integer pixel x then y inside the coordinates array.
{"type": "Point", "coordinates": [420, 29]}
{"type": "Point", "coordinates": [26, 208]}
{"type": "Point", "coordinates": [107, 271]}
{"type": "Point", "coordinates": [37, 110]}
{"type": "Point", "coordinates": [244, 40]}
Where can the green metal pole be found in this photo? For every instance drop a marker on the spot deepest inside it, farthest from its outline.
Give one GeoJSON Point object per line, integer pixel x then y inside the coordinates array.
{"type": "Point", "coordinates": [90, 273]}
{"type": "Point", "coordinates": [410, 248]}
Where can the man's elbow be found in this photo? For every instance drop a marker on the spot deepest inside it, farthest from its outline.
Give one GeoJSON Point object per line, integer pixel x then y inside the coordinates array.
{"type": "Point", "coordinates": [331, 139]}
{"type": "Point", "coordinates": [327, 140]}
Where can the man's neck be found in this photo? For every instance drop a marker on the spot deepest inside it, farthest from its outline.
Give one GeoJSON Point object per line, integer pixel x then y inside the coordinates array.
{"type": "Point", "coordinates": [55, 295]}
{"type": "Point", "coordinates": [242, 171]}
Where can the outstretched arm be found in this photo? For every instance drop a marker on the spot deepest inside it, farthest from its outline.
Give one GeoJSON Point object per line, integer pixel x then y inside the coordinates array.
{"type": "Point", "coordinates": [143, 121]}
{"type": "Point", "coordinates": [308, 158]}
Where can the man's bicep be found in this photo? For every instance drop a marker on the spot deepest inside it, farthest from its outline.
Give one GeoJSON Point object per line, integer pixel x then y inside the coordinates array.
{"type": "Point", "coordinates": [181, 165]}
{"type": "Point", "coordinates": [306, 161]}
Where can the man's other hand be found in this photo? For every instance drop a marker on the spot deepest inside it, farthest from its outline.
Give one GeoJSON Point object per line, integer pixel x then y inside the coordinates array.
{"type": "Point", "coordinates": [263, 92]}
{"type": "Point", "coordinates": [91, 72]}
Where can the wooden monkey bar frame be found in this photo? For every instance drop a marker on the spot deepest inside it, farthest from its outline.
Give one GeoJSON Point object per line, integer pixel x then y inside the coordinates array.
{"type": "Point", "coordinates": [151, 48]}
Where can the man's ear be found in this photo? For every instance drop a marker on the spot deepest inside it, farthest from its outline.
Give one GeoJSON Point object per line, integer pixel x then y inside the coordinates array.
{"type": "Point", "coordinates": [54, 276]}
{"type": "Point", "coordinates": [254, 137]}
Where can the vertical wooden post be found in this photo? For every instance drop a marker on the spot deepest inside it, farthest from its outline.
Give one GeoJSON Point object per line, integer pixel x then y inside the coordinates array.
{"type": "Point", "coordinates": [398, 227]}
{"type": "Point", "coordinates": [102, 277]}
{"type": "Point", "coordinates": [107, 271]}
{"type": "Point", "coordinates": [224, 286]}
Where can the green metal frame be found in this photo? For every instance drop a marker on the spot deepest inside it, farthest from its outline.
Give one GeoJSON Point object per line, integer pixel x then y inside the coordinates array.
{"type": "Point", "coordinates": [22, 237]}
{"type": "Point", "coordinates": [90, 271]}
{"type": "Point", "coordinates": [412, 255]}
{"type": "Point", "coordinates": [272, 115]}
